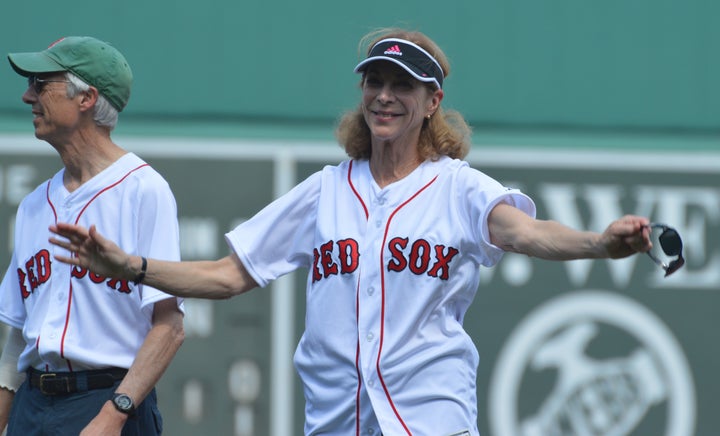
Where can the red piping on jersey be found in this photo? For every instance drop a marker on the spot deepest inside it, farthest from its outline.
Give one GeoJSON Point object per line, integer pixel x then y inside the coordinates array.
{"type": "Point", "coordinates": [362, 203]}
{"type": "Point", "coordinates": [106, 189]}
{"type": "Point", "coordinates": [47, 196]}
{"type": "Point", "coordinates": [357, 362]}
{"type": "Point", "coordinates": [67, 322]}
{"type": "Point", "coordinates": [357, 312]}
{"type": "Point", "coordinates": [382, 313]}
{"type": "Point", "coordinates": [70, 291]}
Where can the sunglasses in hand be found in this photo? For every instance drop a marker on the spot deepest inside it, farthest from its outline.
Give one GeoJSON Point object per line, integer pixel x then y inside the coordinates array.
{"type": "Point", "coordinates": [671, 244]}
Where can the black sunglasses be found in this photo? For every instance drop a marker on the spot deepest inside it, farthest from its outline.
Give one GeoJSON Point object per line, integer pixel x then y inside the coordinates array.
{"type": "Point", "coordinates": [38, 84]}
{"type": "Point", "coordinates": [671, 245]}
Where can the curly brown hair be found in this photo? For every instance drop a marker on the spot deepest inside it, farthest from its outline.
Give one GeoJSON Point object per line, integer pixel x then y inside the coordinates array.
{"type": "Point", "coordinates": [445, 134]}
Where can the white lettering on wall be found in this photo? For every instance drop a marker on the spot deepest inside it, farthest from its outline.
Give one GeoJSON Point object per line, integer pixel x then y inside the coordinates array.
{"type": "Point", "coordinates": [198, 237]}
{"type": "Point", "coordinates": [691, 210]}
{"type": "Point", "coordinates": [199, 318]}
{"type": "Point", "coordinates": [16, 181]}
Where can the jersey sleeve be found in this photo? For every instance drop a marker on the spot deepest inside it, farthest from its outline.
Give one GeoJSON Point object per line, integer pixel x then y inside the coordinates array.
{"type": "Point", "coordinates": [12, 310]}
{"type": "Point", "coordinates": [158, 230]}
{"type": "Point", "coordinates": [278, 239]}
{"type": "Point", "coordinates": [483, 194]}
{"type": "Point", "coordinates": [12, 305]}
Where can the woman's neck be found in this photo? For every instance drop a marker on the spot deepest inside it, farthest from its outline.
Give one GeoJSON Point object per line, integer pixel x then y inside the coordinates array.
{"type": "Point", "coordinates": [388, 163]}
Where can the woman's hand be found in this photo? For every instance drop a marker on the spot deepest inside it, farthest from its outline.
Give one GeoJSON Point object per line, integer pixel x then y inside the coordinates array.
{"type": "Point", "coordinates": [626, 236]}
{"type": "Point", "coordinates": [92, 251]}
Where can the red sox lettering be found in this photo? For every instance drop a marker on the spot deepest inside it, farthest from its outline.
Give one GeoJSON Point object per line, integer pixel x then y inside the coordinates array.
{"type": "Point", "coordinates": [348, 256]}
{"type": "Point", "coordinates": [38, 269]}
{"type": "Point", "coordinates": [118, 285]}
{"type": "Point", "coordinates": [420, 257]}
{"type": "Point", "coordinates": [37, 272]}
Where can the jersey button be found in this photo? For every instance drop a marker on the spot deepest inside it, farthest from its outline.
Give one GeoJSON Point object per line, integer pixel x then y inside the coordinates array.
{"type": "Point", "coordinates": [370, 337]}
{"type": "Point", "coordinates": [370, 290]}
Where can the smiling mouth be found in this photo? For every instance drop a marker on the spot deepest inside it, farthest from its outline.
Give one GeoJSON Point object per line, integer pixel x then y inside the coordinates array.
{"type": "Point", "coordinates": [385, 115]}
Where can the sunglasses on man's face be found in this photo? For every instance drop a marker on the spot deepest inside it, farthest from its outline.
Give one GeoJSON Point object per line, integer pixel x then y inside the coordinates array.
{"type": "Point", "coordinates": [38, 84]}
{"type": "Point", "coordinates": [671, 245]}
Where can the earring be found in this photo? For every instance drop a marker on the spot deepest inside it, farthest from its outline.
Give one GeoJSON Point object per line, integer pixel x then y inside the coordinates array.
{"type": "Point", "coordinates": [428, 116]}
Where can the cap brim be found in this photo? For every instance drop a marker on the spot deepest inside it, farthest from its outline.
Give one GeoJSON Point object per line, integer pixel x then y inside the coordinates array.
{"type": "Point", "coordinates": [26, 64]}
{"type": "Point", "coordinates": [413, 72]}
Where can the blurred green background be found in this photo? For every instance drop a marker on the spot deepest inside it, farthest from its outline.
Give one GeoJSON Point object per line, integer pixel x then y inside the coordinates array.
{"type": "Point", "coordinates": [594, 108]}
{"type": "Point", "coordinates": [640, 67]}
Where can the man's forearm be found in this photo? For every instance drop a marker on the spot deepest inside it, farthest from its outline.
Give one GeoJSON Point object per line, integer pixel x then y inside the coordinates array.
{"type": "Point", "coordinates": [160, 346]}
{"type": "Point", "coordinates": [6, 399]}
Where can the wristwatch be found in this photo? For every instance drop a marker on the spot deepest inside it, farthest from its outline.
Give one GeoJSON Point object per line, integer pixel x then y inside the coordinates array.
{"type": "Point", "coordinates": [123, 403]}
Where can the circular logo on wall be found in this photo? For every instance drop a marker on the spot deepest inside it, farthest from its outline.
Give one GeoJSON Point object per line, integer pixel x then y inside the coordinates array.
{"type": "Point", "coordinates": [591, 363]}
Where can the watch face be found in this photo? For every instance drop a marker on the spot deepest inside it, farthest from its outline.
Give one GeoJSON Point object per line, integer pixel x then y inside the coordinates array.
{"type": "Point", "coordinates": [123, 402]}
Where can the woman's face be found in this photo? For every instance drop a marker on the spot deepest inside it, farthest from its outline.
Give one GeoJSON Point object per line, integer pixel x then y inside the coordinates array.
{"type": "Point", "coordinates": [395, 104]}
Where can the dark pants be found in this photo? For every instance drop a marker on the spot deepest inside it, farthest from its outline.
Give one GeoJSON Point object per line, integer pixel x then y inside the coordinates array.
{"type": "Point", "coordinates": [36, 414]}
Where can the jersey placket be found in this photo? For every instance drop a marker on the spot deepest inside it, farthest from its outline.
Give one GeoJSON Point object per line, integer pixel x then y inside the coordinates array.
{"type": "Point", "coordinates": [58, 309]}
{"type": "Point", "coordinates": [370, 298]}
{"type": "Point", "coordinates": [372, 338]}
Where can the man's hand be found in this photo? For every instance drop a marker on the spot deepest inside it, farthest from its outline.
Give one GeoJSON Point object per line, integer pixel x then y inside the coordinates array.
{"type": "Point", "coordinates": [109, 422]}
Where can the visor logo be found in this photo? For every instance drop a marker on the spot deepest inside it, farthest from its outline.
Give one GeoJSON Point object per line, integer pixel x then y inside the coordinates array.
{"type": "Point", "coordinates": [394, 50]}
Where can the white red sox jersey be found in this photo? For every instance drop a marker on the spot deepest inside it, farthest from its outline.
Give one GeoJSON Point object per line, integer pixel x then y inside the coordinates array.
{"type": "Point", "coordinates": [392, 273]}
{"type": "Point", "coordinates": [73, 319]}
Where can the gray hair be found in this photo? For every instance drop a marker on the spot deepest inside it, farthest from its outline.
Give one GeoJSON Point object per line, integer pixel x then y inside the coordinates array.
{"type": "Point", "coordinates": [105, 114]}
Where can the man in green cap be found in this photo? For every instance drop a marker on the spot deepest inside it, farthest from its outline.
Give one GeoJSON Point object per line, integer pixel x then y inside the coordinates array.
{"type": "Point", "coordinates": [87, 350]}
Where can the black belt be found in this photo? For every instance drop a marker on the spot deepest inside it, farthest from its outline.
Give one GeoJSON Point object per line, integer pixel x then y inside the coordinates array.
{"type": "Point", "coordinates": [63, 383]}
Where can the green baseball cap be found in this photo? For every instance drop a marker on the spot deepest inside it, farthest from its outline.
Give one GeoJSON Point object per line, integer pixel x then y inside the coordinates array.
{"type": "Point", "coordinates": [96, 62]}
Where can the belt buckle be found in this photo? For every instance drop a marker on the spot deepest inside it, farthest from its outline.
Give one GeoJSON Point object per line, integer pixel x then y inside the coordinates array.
{"type": "Point", "coordinates": [52, 377]}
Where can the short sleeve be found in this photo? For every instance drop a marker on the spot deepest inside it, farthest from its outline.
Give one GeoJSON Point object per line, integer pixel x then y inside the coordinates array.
{"type": "Point", "coordinates": [483, 193]}
{"type": "Point", "coordinates": [278, 239]}
{"type": "Point", "coordinates": [158, 231]}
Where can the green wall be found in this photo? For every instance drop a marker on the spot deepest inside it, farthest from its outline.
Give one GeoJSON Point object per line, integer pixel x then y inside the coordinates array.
{"type": "Point", "coordinates": [638, 64]}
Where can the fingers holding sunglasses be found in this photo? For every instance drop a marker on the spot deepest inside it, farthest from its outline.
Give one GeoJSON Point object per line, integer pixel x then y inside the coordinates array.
{"type": "Point", "coordinates": [639, 238]}
{"type": "Point", "coordinates": [626, 236]}
{"type": "Point", "coordinates": [644, 242]}
{"type": "Point", "coordinates": [633, 234]}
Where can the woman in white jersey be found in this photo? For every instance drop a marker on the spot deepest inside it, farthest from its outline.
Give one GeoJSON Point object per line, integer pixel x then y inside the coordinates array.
{"type": "Point", "coordinates": [393, 238]}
